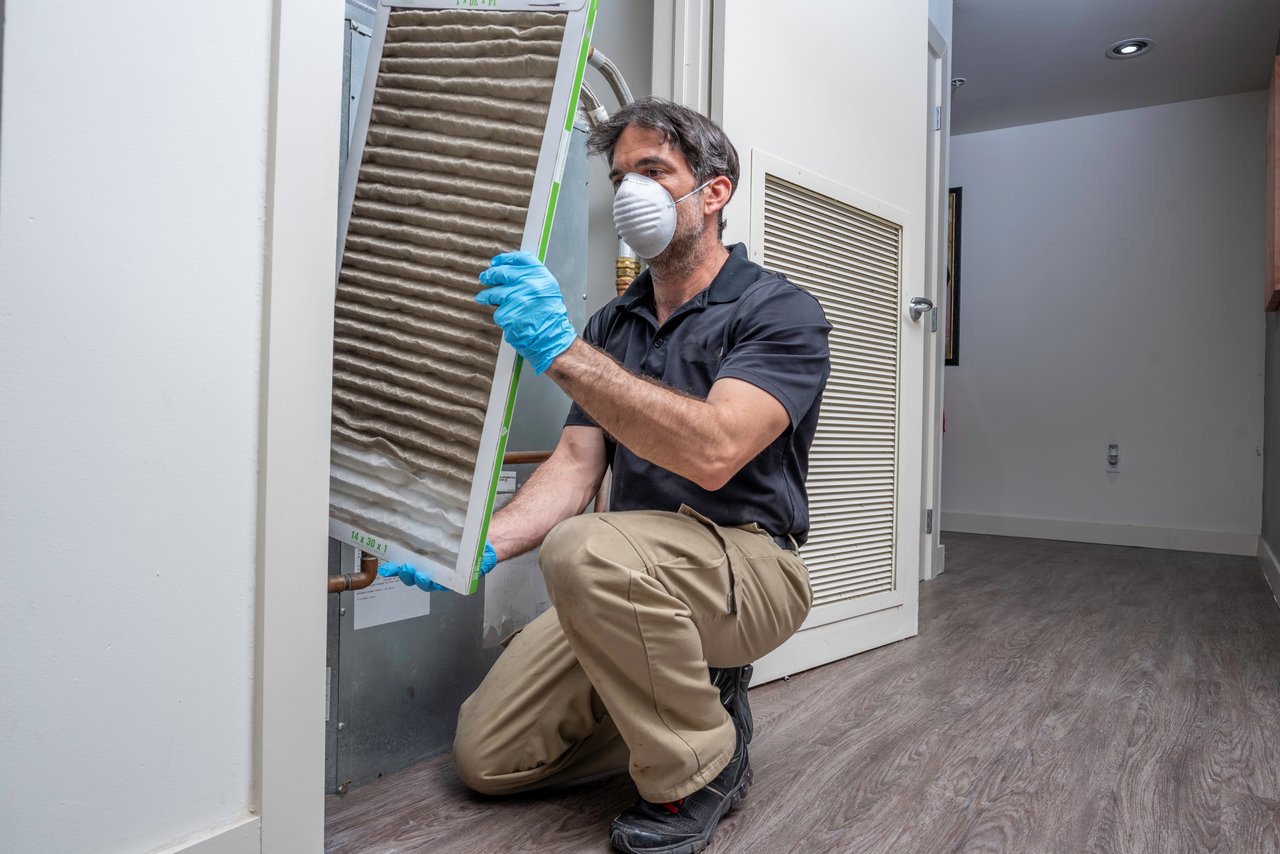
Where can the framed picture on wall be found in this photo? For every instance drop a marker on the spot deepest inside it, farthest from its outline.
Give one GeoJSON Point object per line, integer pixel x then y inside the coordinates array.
{"type": "Point", "coordinates": [953, 275]}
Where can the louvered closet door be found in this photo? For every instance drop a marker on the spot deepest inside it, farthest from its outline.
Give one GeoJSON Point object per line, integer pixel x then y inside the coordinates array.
{"type": "Point", "coordinates": [848, 252]}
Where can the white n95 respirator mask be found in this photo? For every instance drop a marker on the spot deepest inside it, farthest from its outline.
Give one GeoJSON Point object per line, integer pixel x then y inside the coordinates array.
{"type": "Point", "coordinates": [645, 214]}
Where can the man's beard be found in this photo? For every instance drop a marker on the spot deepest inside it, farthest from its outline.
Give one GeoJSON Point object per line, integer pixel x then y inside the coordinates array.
{"type": "Point", "coordinates": [685, 251]}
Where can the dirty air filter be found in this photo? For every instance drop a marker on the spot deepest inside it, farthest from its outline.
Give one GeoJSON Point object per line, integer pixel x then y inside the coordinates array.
{"type": "Point", "coordinates": [462, 129]}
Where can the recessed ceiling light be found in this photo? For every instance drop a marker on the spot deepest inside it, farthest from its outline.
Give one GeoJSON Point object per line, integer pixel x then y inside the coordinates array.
{"type": "Point", "coordinates": [1129, 48]}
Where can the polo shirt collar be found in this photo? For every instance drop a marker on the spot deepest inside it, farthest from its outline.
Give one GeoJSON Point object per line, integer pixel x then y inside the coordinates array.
{"type": "Point", "coordinates": [735, 276]}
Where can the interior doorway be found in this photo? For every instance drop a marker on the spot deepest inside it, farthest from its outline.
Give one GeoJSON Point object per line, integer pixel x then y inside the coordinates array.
{"type": "Point", "coordinates": [932, 552]}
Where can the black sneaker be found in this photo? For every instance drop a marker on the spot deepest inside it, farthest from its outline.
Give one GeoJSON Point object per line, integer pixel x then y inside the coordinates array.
{"type": "Point", "coordinates": [686, 825]}
{"type": "Point", "coordinates": [732, 682]}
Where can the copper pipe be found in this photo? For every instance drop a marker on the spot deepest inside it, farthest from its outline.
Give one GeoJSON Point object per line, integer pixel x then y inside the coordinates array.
{"type": "Point", "coordinates": [359, 580]}
{"type": "Point", "coordinates": [625, 271]}
{"type": "Point", "coordinates": [517, 458]}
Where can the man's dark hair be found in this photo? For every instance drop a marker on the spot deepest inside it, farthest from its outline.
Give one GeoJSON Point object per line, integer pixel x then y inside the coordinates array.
{"type": "Point", "coordinates": [700, 140]}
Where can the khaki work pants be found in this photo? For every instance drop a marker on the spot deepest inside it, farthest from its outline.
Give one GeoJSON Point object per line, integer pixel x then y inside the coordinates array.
{"type": "Point", "coordinates": [615, 674]}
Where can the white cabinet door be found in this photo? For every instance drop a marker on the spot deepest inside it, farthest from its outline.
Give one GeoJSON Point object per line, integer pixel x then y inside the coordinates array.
{"type": "Point", "coordinates": [827, 104]}
{"type": "Point", "coordinates": [864, 472]}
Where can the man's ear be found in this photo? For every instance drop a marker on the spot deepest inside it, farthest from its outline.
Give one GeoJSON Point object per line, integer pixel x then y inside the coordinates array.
{"type": "Point", "coordinates": [716, 195]}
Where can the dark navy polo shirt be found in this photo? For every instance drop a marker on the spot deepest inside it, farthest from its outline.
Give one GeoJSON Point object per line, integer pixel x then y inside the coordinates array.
{"type": "Point", "coordinates": [751, 324]}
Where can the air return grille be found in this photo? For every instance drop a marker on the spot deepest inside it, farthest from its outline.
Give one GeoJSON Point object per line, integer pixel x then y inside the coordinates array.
{"type": "Point", "coordinates": [851, 261]}
{"type": "Point", "coordinates": [449, 173]}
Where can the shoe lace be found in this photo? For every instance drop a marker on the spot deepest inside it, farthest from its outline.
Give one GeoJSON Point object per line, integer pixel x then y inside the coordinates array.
{"type": "Point", "coordinates": [673, 807]}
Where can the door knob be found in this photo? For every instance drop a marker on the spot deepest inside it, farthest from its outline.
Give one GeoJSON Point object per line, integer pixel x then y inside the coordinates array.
{"type": "Point", "coordinates": [919, 305]}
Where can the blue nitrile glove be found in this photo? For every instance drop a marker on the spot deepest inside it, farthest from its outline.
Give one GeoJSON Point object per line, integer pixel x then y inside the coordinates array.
{"type": "Point", "coordinates": [531, 310]}
{"type": "Point", "coordinates": [410, 577]}
{"type": "Point", "coordinates": [489, 559]}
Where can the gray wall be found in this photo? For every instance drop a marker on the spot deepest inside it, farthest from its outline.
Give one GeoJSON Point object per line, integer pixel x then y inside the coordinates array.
{"type": "Point", "coordinates": [1110, 292]}
{"type": "Point", "coordinates": [1271, 460]}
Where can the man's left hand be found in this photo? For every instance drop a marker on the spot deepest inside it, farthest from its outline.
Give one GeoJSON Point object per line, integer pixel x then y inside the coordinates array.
{"type": "Point", "coordinates": [531, 310]}
{"type": "Point", "coordinates": [412, 577]}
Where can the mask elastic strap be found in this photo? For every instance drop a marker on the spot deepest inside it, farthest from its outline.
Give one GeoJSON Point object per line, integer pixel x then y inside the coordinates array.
{"type": "Point", "coordinates": [691, 192]}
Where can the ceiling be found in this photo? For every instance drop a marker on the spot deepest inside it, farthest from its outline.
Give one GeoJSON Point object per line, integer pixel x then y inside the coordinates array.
{"type": "Point", "coordinates": [1028, 61]}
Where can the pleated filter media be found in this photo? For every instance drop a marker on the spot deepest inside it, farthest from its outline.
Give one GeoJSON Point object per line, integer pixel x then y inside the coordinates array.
{"type": "Point", "coordinates": [463, 127]}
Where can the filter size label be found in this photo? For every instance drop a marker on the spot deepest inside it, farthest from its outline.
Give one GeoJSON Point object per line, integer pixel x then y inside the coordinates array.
{"type": "Point", "coordinates": [367, 543]}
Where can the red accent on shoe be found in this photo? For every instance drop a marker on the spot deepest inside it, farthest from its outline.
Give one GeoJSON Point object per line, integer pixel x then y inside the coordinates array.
{"type": "Point", "coordinates": [674, 806]}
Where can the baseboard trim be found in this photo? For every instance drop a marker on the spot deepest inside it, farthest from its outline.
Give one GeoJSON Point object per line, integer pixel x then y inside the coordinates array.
{"type": "Point", "coordinates": [1270, 568]}
{"type": "Point", "coordinates": [242, 836]}
{"type": "Point", "coordinates": [1176, 539]}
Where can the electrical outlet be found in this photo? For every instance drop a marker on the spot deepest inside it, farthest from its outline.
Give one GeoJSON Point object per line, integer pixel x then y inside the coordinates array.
{"type": "Point", "coordinates": [1113, 458]}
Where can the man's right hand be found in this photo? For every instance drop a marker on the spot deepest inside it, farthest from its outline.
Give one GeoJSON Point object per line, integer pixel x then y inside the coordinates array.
{"type": "Point", "coordinates": [530, 309]}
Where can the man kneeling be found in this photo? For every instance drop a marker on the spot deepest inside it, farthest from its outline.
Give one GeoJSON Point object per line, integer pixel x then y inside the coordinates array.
{"type": "Point", "coordinates": [700, 388]}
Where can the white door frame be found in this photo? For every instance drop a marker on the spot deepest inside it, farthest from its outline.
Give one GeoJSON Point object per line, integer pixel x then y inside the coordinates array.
{"type": "Point", "coordinates": [932, 554]}
{"type": "Point", "coordinates": [304, 118]}
{"type": "Point", "coordinates": [682, 45]}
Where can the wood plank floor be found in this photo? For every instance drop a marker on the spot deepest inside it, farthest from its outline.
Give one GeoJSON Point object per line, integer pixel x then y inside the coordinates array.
{"type": "Point", "coordinates": [1060, 697]}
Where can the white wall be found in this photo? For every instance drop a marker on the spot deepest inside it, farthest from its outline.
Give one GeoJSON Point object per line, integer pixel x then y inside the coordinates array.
{"type": "Point", "coordinates": [1110, 293]}
{"type": "Point", "coordinates": [131, 260]}
{"type": "Point", "coordinates": [802, 95]}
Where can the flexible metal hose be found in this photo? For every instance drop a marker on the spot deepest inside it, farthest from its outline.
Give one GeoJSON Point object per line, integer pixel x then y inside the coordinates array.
{"type": "Point", "coordinates": [591, 106]}
{"type": "Point", "coordinates": [611, 73]}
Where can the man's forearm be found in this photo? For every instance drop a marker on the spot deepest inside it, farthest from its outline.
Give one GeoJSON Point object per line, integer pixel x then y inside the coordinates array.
{"type": "Point", "coordinates": [558, 489]}
{"type": "Point", "coordinates": [666, 427]}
